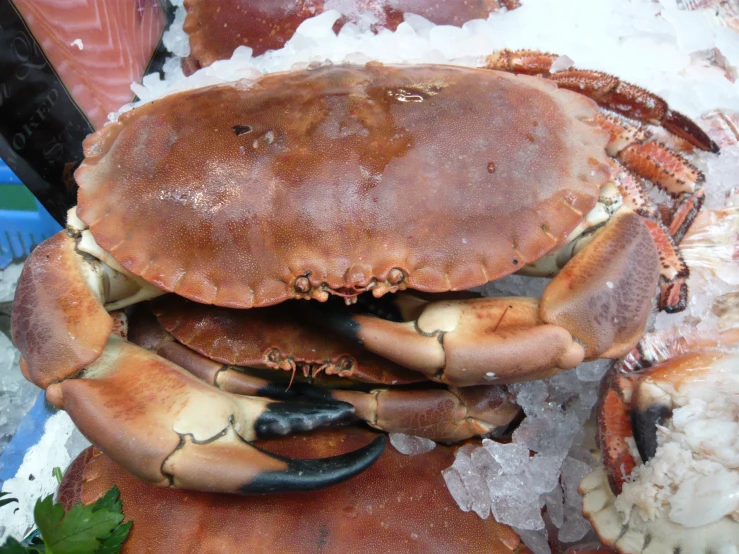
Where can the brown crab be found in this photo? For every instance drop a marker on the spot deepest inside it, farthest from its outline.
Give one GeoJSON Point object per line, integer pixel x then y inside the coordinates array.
{"type": "Point", "coordinates": [337, 181]}
{"type": "Point", "coordinates": [227, 348]}
{"type": "Point", "coordinates": [379, 511]}
{"type": "Point", "coordinates": [216, 29]}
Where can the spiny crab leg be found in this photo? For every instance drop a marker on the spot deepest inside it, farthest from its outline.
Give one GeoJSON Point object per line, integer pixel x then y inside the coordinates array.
{"type": "Point", "coordinates": [148, 414]}
{"type": "Point", "coordinates": [608, 91]}
{"type": "Point", "coordinates": [602, 298]}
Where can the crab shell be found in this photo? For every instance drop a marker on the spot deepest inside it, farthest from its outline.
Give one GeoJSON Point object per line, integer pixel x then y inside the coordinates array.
{"type": "Point", "coordinates": [250, 209]}
{"type": "Point", "coordinates": [381, 510]}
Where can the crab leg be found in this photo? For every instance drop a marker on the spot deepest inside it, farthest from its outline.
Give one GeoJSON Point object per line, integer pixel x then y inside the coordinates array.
{"type": "Point", "coordinates": [630, 144]}
{"type": "Point", "coordinates": [441, 415]}
{"type": "Point", "coordinates": [170, 429]}
{"type": "Point", "coordinates": [468, 342]}
{"type": "Point", "coordinates": [602, 297]}
{"type": "Point", "coordinates": [608, 91]}
{"type": "Point", "coordinates": [444, 415]}
{"type": "Point", "coordinates": [157, 420]}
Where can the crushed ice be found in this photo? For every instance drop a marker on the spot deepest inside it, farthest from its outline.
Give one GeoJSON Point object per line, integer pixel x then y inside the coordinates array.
{"type": "Point", "coordinates": [17, 395]}
{"type": "Point", "coordinates": [543, 465]}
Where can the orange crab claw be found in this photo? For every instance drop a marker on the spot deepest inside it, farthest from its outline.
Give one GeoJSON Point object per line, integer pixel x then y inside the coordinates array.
{"type": "Point", "coordinates": [56, 314]}
{"type": "Point", "coordinates": [467, 342]}
{"type": "Point", "coordinates": [170, 429]}
{"type": "Point", "coordinates": [156, 419]}
{"type": "Point", "coordinates": [603, 296]}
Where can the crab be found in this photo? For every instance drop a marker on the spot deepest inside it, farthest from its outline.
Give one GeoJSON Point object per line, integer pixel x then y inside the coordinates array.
{"type": "Point", "coordinates": [216, 29]}
{"type": "Point", "coordinates": [376, 511]}
{"type": "Point", "coordinates": [341, 180]}
{"type": "Point", "coordinates": [237, 351]}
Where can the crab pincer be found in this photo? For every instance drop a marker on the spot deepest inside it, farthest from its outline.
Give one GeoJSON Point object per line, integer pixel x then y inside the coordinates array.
{"type": "Point", "coordinates": [153, 417]}
{"type": "Point", "coordinates": [602, 298]}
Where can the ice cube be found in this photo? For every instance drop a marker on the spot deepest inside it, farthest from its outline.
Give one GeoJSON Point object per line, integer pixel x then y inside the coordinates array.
{"type": "Point", "coordinates": [554, 501]}
{"type": "Point", "coordinates": [457, 489]}
{"type": "Point", "coordinates": [410, 445]}
{"type": "Point", "coordinates": [511, 457]}
{"type": "Point", "coordinates": [575, 526]}
{"type": "Point", "coordinates": [513, 502]}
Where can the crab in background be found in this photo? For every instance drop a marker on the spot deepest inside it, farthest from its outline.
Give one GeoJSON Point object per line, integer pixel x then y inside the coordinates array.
{"type": "Point", "coordinates": [342, 180]}
{"type": "Point", "coordinates": [216, 29]}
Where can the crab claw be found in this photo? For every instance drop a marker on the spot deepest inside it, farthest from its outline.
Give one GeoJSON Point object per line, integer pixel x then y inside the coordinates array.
{"type": "Point", "coordinates": [467, 342]}
{"type": "Point", "coordinates": [603, 296]}
{"type": "Point", "coordinates": [170, 429]}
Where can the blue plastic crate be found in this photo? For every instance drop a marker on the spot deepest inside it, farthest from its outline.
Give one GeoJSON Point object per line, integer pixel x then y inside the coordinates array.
{"type": "Point", "coordinates": [21, 230]}
{"type": "Point", "coordinates": [7, 176]}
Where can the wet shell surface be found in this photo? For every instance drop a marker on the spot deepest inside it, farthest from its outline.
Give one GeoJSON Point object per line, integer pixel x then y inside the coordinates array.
{"type": "Point", "coordinates": [341, 179]}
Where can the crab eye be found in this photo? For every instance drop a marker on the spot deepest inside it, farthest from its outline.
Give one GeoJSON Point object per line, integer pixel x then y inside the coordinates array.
{"type": "Point", "coordinates": [396, 276]}
{"type": "Point", "coordinates": [273, 355]}
{"type": "Point", "coordinates": [302, 284]}
{"type": "Point", "coordinates": [345, 363]}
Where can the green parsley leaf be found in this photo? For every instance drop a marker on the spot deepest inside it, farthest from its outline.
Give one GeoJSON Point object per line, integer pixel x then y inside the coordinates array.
{"type": "Point", "coordinates": [112, 545]}
{"type": "Point", "coordinates": [77, 532]}
{"type": "Point", "coordinates": [12, 546]}
{"type": "Point", "coordinates": [58, 474]}
{"type": "Point", "coordinates": [83, 530]}
{"type": "Point", "coordinates": [109, 501]}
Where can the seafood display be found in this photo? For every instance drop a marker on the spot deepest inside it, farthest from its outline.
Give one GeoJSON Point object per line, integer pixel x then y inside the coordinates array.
{"type": "Point", "coordinates": [343, 152]}
{"type": "Point", "coordinates": [252, 260]}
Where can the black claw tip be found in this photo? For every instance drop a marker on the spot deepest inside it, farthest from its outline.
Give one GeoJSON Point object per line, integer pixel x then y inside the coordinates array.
{"type": "Point", "coordinates": [644, 426]}
{"type": "Point", "coordinates": [336, 320]}
{"type": "Point", "coordinates": [310, 475]}
{"type": "Point", "coordinates": [284, 418]}
{"type": "Point", "coordinates": [714, 148]}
